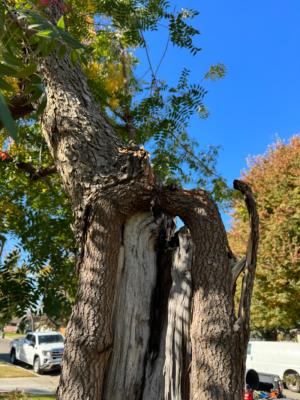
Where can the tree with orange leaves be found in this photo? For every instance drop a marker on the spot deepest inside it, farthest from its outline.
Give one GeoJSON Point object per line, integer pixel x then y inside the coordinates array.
{"type": "Point", "coordinates": [275, 179]}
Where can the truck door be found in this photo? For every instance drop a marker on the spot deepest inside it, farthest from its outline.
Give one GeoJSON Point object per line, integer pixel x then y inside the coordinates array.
{"type": "Point", "coordinates": [28, 349]}
{"type": "Point", "coordinates": [21, 346]}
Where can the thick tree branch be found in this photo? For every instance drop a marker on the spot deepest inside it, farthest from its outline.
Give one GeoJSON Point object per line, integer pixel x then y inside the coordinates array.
{"type": "Point", "coordinates": [36, 174]}
{"type": "Point", "coordinates": [237, 268]}
{"type": "Point", "coordinates": [251, 255]}
{"type": "Point", "coordinates": [127, 114]}
{"type": "Point", "coordinates": [19, 107]}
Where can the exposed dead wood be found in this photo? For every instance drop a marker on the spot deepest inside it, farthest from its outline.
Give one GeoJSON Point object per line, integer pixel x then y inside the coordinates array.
{"type": "Point", "coordinates": [237, 268]}
{"type": "Point", "coordinates": [178, 345]}
{"type": "Point", "coordinates": [251, 255]}
{"type": "Point", "coordinates": [131, 323]}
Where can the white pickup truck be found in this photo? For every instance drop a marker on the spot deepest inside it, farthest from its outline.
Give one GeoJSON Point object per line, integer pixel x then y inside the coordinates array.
{"type": "Point", "coordinates": [42, 350]}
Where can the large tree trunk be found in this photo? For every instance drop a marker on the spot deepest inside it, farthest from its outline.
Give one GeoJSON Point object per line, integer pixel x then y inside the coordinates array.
{"type": "Point", "coordinates": [154, 314]}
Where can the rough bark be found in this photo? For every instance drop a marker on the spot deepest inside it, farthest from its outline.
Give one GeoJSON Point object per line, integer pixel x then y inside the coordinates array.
{"type": "Point", "coordinates": [154, 314]}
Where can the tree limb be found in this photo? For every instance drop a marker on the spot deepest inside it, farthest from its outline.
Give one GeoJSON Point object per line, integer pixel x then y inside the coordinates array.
{"type": "Point", "coordinates": [251, 255]}
{"type": "Point", "coordinates": [127, 117]}
{"type": "Point", "coordinates": [2, 243]}
{"type": "Point", "coordinates": [19, 107]}
{"type": "Point", "coordinates": [36, 174]}
{"type": "Point", "coordinates": [237, 268]}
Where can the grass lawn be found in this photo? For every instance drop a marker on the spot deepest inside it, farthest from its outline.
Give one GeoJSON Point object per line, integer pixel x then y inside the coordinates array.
{"type": "Point", "coordinates": [14, 335]}
{"type": "Point", "coordinates": [23, 396]}
{"type": "Point", "coordinates": [10, 371]}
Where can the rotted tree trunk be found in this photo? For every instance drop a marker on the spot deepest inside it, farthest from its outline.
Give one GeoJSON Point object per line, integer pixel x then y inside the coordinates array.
{"type": "Point", "coordinates": [154, 315]}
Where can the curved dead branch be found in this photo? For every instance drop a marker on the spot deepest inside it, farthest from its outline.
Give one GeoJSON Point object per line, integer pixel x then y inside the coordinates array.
{"type": "Point", "coordinates": [237, 268]}
{"type": "Point", "coordinates": [2, 243]}
{"type": "Point", "coordinates": [251, 255]}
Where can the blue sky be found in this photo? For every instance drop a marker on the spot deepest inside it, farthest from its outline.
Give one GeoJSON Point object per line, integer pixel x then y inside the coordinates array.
{"type": "Point", "coordinates": [259, 99]}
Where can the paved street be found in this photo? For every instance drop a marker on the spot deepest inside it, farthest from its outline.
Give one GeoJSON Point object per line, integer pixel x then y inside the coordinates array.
{"type": "Point", "coordinates": [47, 384]}
{"type": "Point", "coordinates": [292, 395]}
{"type": "Point", "coordinates": [4, 350]}
{"type": "Point", "coordinates": [43, 384]}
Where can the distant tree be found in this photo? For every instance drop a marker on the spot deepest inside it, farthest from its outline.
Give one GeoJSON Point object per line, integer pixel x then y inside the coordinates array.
{"type": "Point", "coordinates": [275, 178]}
{"type": "Point", "coordinates": [17, 292]}
{"type": "Point", "coordinates": [33, 209]}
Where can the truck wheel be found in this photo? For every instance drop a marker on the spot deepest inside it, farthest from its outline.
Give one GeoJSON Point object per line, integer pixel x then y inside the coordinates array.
{"type": "Point", "coordinates": [12, 357]}
{"type": "Point", "coordinates": [292, 381]}
{"type": "Point", "coordinates": [37, 365]}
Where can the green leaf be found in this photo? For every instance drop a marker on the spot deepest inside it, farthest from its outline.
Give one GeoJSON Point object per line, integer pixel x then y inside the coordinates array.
{"type": "Point", "coordinates": [11, 59]}
{"type": "Point", "coordinates": [4, 85]}
{"type": "Point", "coordinates": [47, 33]}
{"type": "Point", "coordinates": [42, 105]}
{"type": "Point", "coordinates": [27, 71]}
{"type": "Point", "coordinates": [61, 23]}
{"type": "Point", "coordinates": [73, 42]}
{"type": "Point", "coordinates": [6, 118]}
{"type": "Point", "coordinates": [62, 50]}
{"type": "Point", "coordinates": [74, 56]}
{"type": "Point", "coordinates": [8, 70]}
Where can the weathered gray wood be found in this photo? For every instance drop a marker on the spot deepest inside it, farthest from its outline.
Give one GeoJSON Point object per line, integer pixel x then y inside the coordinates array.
{"type": "Point", "coordinates": [178, 346]}
{"type": "Point", "coordinates": [131, 325]}
{"type": "Point", "coordinates": [134, 372]}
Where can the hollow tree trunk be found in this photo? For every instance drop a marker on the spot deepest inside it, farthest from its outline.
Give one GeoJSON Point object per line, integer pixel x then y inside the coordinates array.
{"type": "Point", "coordinates": [154, 314]}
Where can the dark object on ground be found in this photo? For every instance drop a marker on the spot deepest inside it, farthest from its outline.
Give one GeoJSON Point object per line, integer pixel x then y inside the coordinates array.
{"type": "Point", "coordinates": [252, 379]}
{"type": "Point", "coordinates": [264, 385]}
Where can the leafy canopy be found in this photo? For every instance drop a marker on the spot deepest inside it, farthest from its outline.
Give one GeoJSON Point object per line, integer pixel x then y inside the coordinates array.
{"type": "Point", "coordinates": [38, 214]}
{"type": "Point", "coordinates": [16, 288]}
{"type": "Point", "coordinates": [103, 37]}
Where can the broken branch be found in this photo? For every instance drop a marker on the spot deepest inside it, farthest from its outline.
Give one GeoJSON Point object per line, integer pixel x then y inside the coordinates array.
{"type": "Point", "coordinates": [251, 254]}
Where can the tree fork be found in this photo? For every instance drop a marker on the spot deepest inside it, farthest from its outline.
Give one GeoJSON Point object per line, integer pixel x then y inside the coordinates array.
{"type": "Point", "coordinates": [196, 353]}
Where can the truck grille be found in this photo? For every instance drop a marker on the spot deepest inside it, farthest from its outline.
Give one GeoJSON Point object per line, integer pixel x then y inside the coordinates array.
{"type": "Point", "coordinates": [56, 354]}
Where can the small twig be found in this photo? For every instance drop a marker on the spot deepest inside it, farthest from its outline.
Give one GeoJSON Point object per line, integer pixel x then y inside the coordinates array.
{"type": "Point", "coordinates": [163, 55]}
{"type": "Point", "coordinates": [153, 83]}
{"type": "Point", "coordinates": [189, 151]}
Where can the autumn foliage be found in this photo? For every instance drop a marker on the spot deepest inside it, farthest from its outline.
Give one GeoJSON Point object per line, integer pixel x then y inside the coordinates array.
{"type": "Point", "coordinates": [4, 155]}
{"type": "Point", "coordinates": [275, 179]}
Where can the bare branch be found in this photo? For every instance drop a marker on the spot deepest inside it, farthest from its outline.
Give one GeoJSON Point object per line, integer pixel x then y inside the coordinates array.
{"type": "Point", "coordinates": [36, 174]}
{"type": "Point", "coordinates": [237, 268]}
{"type": "Point", "coordinates": [19, 107]}
{"type": "Point", "coordinates": [127, 117]}
{"type": "Point", "coordinates": [251, 255]}
{"type": "Point", "coordinates": [2, 243]}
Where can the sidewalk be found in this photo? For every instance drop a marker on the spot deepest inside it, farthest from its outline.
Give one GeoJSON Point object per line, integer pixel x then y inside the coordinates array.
{"type": "Point", "coordinates": [38, 385]}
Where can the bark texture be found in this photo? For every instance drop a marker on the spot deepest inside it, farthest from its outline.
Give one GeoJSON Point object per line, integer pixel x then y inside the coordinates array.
{"type": "Point", "coordinates": [154, 315]}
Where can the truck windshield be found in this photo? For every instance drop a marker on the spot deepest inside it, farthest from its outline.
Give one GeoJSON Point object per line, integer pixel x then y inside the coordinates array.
{"type": "Point", "coordinates": [51, 339]}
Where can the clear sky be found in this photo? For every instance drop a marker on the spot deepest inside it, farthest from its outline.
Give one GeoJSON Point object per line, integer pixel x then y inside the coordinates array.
{"type": "Point", "coordinates": [259, 42]}
{"type": "Point", "coordinates": [259, 99]}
